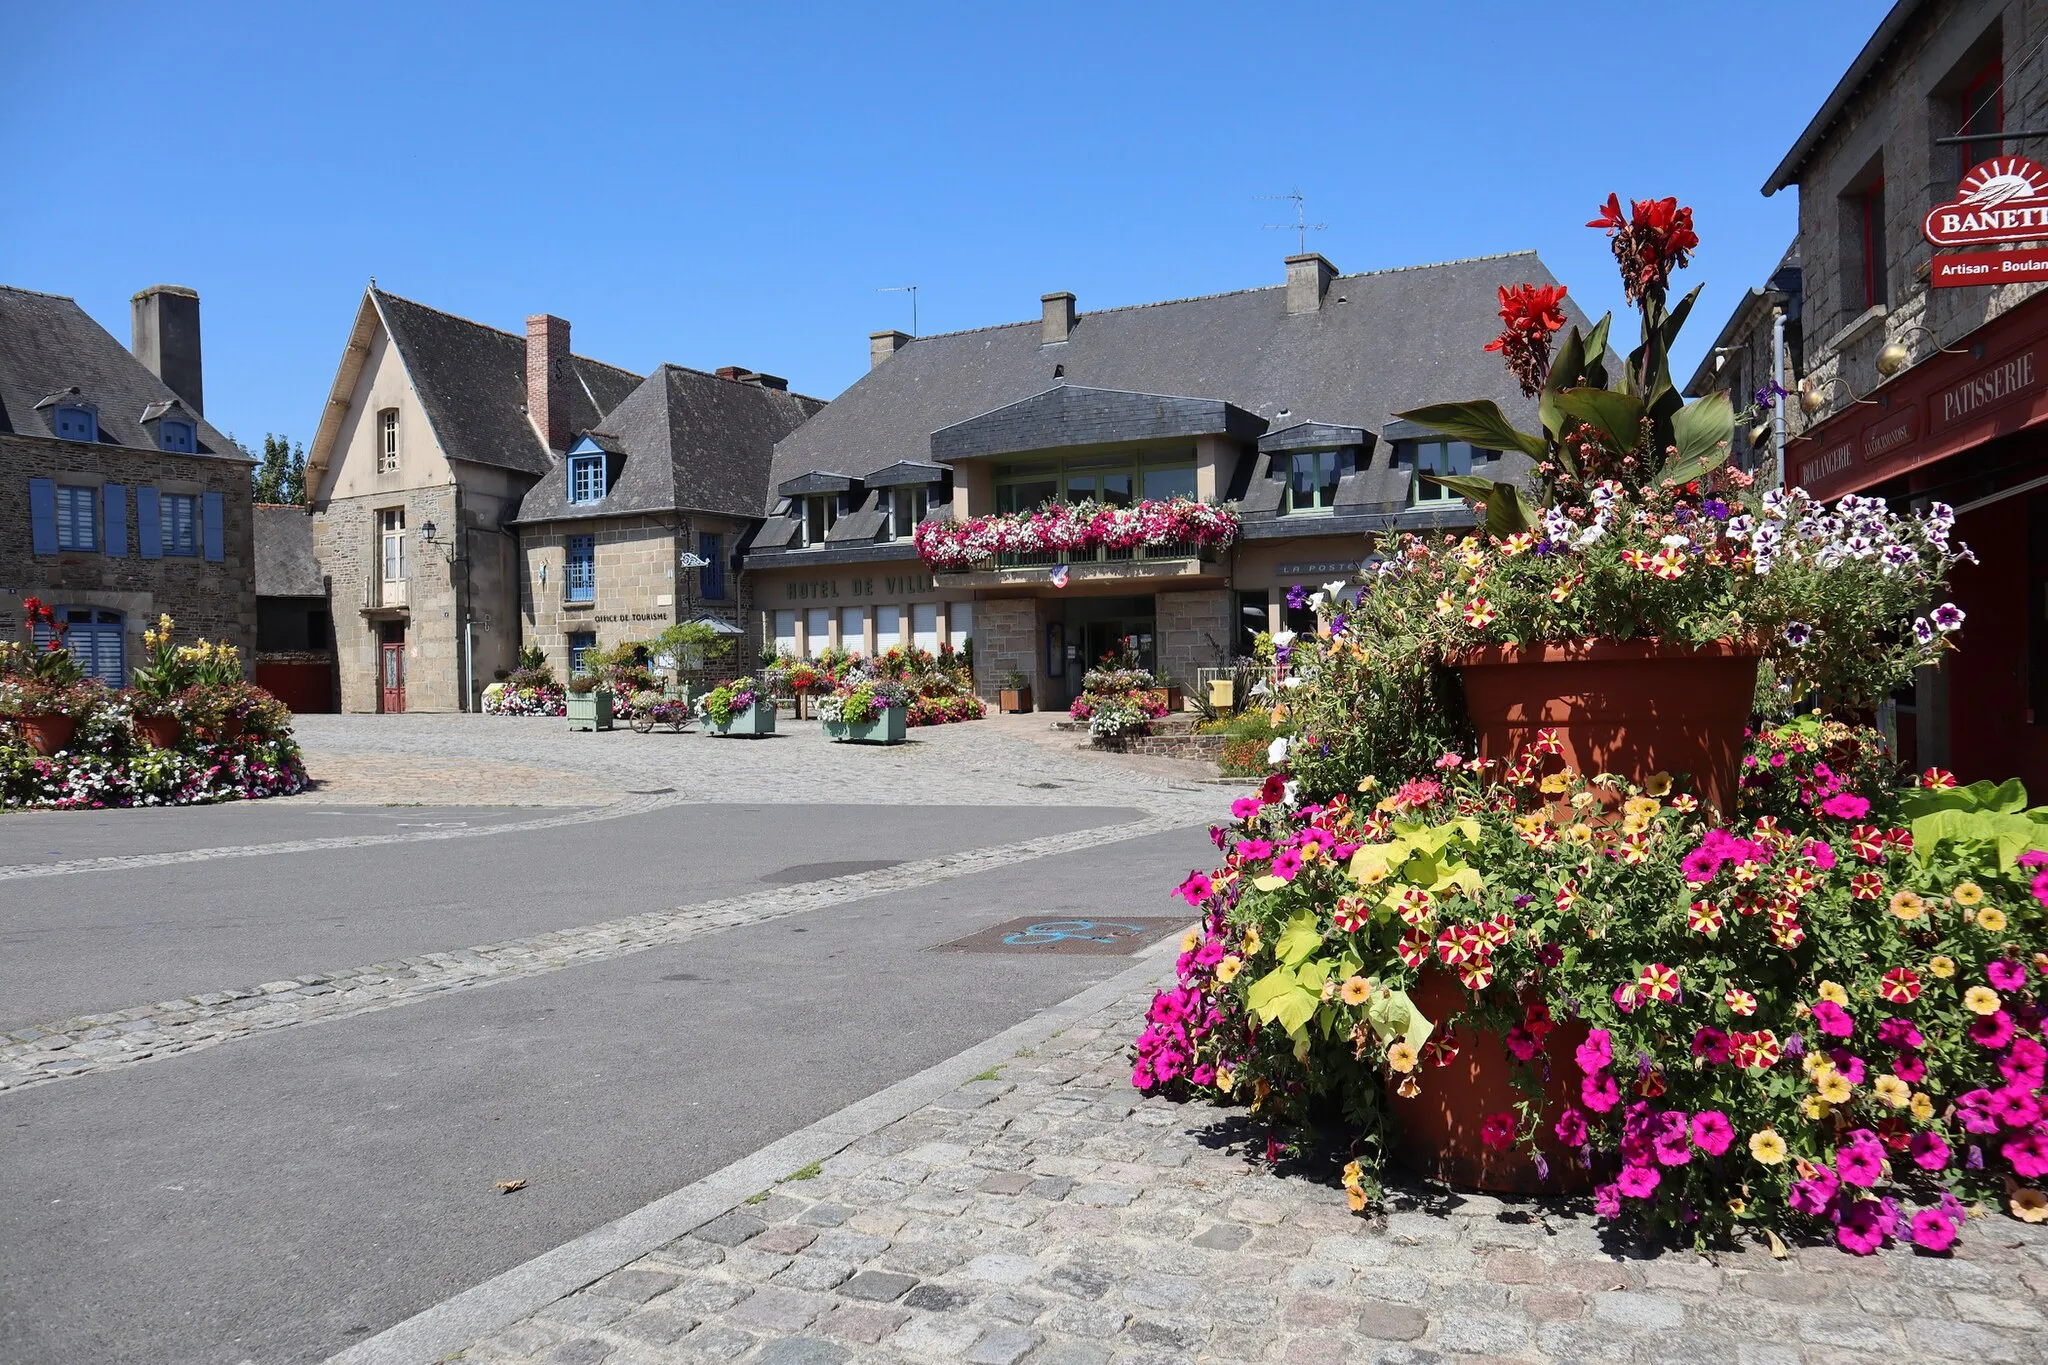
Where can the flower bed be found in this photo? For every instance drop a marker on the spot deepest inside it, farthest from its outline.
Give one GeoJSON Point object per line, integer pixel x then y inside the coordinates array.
{"type": "Point", "coordinates": [1067, 527]}
{"type": "Point", "coordinates": [200, 774]}
{"type": "Point", "coordinates": [1118, 699]}
{"type": "Point", "coordinates": [537, 699]}
{"type": "Point", "coordinates": [945, 710]}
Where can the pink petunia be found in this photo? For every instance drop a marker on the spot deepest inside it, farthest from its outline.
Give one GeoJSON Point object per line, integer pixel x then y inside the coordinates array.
{"type": "Point", "coordinates": [2005, 974]}
{"type": "Point", "coordinates": [1860, 1160]}
{"type": "Point", "coordinates": [1812, 1195]}
{"type": "Point", "coordinates": [1992, 1030]}
{"type": "Point", "coordinates": [1672, 1142]}
{"type": "Point", "coordinates": [1599, 1093]}
{"type": "Point", "coordinates": [1909, 1067]}
{"type": "Point", "coordinates": [1711, 1131]}
{"type": "Point", "coordinates": [1571, 1127]}
{"type": "Point", "coordinates": [1861, 1227]}
{"type": "Point", "coordinates": [1833, 1020]}
{"type": "Point", "coordinates": [1845, 806]}
{"type": "Point", "coordinates": [1498, 1131]}
{"type": "Point", "coordinates": [2028, 1155]}
{"type": "Point", "coordinates": [1597, 1052]}
{"type": "Point", "coordinates": [1638, 1182]}
{"type": "Point", "coordinates": [1607, 1201]}
{"type": "Point", "coordinates": [2015, 1106]}
{"type": "Point", "coordinates": [1930, 1151]}
{"type": "Point", "coordinates": [1933, 1231]}
{"type": "Point", "coordinates": [1711, 1044]}
{"type": "Point", "coordinates": [1245, 807]}
{"type": "Point", "coordinates": [1820, 854]}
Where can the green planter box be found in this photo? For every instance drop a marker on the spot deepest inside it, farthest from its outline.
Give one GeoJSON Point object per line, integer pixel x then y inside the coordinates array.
{"type": "Point", "coordinates": [591, 710]}
{"type": "Point", "coordinates": [888, 728]}
{"type": "Point", "coordinates": [757, 720]}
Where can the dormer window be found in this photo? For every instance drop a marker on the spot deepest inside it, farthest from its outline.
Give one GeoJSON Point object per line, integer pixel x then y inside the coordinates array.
{"type": "Point", "coordinates": [176, 437]}
{"type": "Point", "coordinates": [1312, 477]}
{"type": "Point", "coordinates": [1437, 457]}
{"type": "Point", "coordinates": [75, 422]}
{"type": "Point", "coordinates": [908, 506]}
{"type": "Point", "coordinates": [821, 514]}
{"type": "Point", "coordinates": [586, 477]}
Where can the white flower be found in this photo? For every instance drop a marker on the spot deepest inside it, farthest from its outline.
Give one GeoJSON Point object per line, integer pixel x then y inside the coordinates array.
{"type": "Point", "coordinates": [1282, 638]}
{"type": "Point", "coordinates": [1673, 542]}
{"type": "Point", "coordinates": [1592, 535]}
{"type": "Point", "coordinates": [1276, 752]}
{"type": "Point", "coordinates": [1290, 793]}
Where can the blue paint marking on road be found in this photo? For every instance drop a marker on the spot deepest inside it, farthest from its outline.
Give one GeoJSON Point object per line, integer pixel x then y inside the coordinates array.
{"type": "Point", "coordinates": [1056, 931]}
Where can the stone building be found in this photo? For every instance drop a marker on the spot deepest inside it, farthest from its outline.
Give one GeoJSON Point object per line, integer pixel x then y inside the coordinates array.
{"type": "Point", "coordinates": [674, 474]}
{"type": "Point", "coordinates": [119, 501]}
{"type": "Point", "coordinates": [1923, 394]}
{"type": "Point", "coordinates": [294, 617]}
{"type": "Point", "coordinates": [1277, 399]}
{"type": "Point", "coordinates": [1761, 344]}
{"type": "Point", "coordinates": [434, 430]}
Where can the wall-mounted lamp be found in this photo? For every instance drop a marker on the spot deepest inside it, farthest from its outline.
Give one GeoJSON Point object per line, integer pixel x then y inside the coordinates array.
{"type": "Point", "coordinates": [427, 537]}
{"type": "Point", "coordinates": [1895, 356]}
{"type": "Point", "coordinates": [1813, 397]}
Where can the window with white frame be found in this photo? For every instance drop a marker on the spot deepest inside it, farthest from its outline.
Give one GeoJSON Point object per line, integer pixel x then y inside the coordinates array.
{"type": "Point", "coordinates": [821, 514]}
{"type": "Point", "coordinates": [387, 441]}
{"type": "Point", "coordinates": [908, 507]}
{"type": "Point", "coordinates": [391, 527]}
{"type": "Point", "coordinates": [586, 478]}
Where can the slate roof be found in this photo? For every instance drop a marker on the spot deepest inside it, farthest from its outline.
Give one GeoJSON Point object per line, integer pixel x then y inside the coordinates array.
{"type": "Point", "coordinates": [471, 379]}
{"type": "Point", "coordinates": [1381, 342]}
{"type": "Point", "coordinates": [49, 344]}
{"type": "Point", "coordinates": [285, 566]}
{"type": "Point", "coordinates": [686, 440]}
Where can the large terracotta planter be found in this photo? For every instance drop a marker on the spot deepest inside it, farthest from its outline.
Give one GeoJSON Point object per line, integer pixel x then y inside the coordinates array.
{"type": "Point", "coordinates": [1437, 1131]}
{"type": "Point", "coordinates": [1632, 708]}
{"type": "Point", "coordinates": [47, 734]}
{"type": "Point", "coordinates": [160, 732]}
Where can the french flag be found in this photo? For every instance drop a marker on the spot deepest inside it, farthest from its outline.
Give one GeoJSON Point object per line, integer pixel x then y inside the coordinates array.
{"type": "Point", "coordinates": [1059, 577]}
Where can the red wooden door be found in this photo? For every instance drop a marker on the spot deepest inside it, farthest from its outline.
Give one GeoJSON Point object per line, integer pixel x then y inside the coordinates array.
{"type": "Point", "coordinates": [393, 676]}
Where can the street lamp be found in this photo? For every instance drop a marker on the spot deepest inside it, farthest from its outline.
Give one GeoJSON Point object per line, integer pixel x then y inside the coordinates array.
{"type": "Point", "coordinates": [1813, 397]}
{"type": "Point", "coordinates": [427, 537]}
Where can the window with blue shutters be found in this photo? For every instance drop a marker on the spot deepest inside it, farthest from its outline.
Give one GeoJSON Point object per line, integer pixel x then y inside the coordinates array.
{"type": "Point", "coordinates": [175, 436]}
{"type": "Point", "coordinates": [580, 643]}
{"type": "Point", "coordinates": [586, 478]}
{"type": "Point", "coordinates": [579, 576]}
{"type": "Point", "coordinates": [711, 578]}
{"type": "Point", "coordinates": [75, 424]}
{"type": "Point", "coordinates": [178, 524]}
{"type": "Point", "coordinates": [96, 640]}
{"type": "Point", "coordinates": [78, 517]}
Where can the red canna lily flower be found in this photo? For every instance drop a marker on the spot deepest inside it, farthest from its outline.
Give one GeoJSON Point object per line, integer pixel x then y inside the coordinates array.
{"type": "Point", "coordinates": [1530, 313]}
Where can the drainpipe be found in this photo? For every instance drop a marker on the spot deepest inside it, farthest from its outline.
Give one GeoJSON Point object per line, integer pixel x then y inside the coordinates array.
{"type": "Point", "coordinates": [468, 662]}
{"type": "Point", "coordinates": [1778, 389]}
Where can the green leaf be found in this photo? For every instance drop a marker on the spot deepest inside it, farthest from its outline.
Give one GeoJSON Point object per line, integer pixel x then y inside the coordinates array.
{"type": "Point", "coordinates": [1294, 1009]}
{"type": "Point", "coordinates": [1507, 509]}
{"type": "Point", "coordinates": [1617, 417]}
{"type": "Point", "coordinates": [1704, 433]}
{"type": "Point", "coordinates": [1479, 423]}
{"type": "Point", "coordinates": [2010, 833]}
{"type": "Point", "coordinates": [1667, 330]}
{"type": "Point", "coordinates": [1269, 988]}
{"type": "Point", "coordinates": [1300, 938]}
{"type": "Point", "coordinates": [1596, 352]}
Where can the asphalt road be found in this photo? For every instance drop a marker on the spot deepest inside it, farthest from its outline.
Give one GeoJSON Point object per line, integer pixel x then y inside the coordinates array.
{"type": "Point", "coordinates": [278, 1198]}
{"type": "Point", "coordinates": [43, 837]}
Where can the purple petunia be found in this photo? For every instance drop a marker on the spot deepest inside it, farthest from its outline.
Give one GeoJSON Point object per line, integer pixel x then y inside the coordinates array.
{"type": "Point", "coordinates": [1947, 617]}
{"type": "Point", "coordinates": [1797, 633]}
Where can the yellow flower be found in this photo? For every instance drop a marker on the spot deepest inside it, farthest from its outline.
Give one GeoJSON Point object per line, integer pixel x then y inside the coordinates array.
{"type": "Point", "coordinates": [1375, 873]}
{"type": "Point", "coordinates": [1354, 1174]}
{"type": "Point", "coordinates": [1980, 1000]}
{"type": "Point", "coordinates": [1189, 940]}
{"type": "Point", "coordinates": [1356, 990]}
{"type": "Point", "coordinates": [1943, 967]}
{"type": "Point", "coordinates": [1658, 785]}
{"type": "Point", "coordinates": [1816, 1063]}
{"type": "Point", "coordinates": [1251, 941]}
{"type": "Point", "coordinates": [1226, 1079]}
{"type": "Point", "coordinates": [1555, 783]}
{"type": "Point", "coordinates": [1401, 1056]}
{"type": "Point", "coordinates": [1227, 969]}
{"type": "Point", "coordinates": [1892, 1091]}
{"type": "Point", "coordinates": [1832, 990]}
{"type": "Point", "coordinates": [1738, 1206]}
{"type": "Point", "coordinates": [2029, 1206]}
{"type": "Point", "coordinates": [1583, 800]}
{"type": "Point", "coordinates": [1907, 906]}
{"type": "Point", "coordinates": [1833, 1087]}
{"type": "Point", "coordinates": [1409, 1088]}
{"type": "Point", "coordinates": [1355, 1196]}
{"type": "Point", "coordinates": [1991, 920]}
{"type": "Point", "coordinates": [1923, 1107]}
{"type": "Point", "coordinates": [1767, 1147]}
{"type": "Point", "coordinates": [1642, 807]}
{"type": "Point", "coordinates": [1579, 833]}
{"type": "Point", "coordinates": [1968, 893]}
{"type": "Point", "coordinates": [1368, 782]}
{"type": "Point", "coordinates": [1816, 1107]}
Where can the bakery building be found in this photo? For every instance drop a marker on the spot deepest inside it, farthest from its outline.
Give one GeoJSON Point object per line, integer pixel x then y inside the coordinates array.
{"type": "Point", "coordinates": [1926, 374]}
{"type": "Point", "coordinates": [1277, 400]}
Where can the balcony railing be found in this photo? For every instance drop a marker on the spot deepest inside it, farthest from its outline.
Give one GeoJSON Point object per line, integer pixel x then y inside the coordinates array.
{"type": "Point", "coordinates": [1049, 559]}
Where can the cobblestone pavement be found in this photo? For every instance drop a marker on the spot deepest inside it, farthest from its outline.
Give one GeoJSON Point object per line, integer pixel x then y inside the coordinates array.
{"type": "Point", "coordinates": [1049, 1215]}
{"type": "Point", "coordinates": [100, 1042]}
{"type": "Point", "coordinates": [1008, 760]}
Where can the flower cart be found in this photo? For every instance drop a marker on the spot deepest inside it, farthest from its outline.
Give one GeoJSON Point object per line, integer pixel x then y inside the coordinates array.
{"type": "Point", "coordinates": [591, 708]}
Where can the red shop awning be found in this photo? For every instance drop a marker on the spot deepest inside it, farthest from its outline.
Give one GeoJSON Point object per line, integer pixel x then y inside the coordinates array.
{"type": "Point", "coordinates": [1995, 385]}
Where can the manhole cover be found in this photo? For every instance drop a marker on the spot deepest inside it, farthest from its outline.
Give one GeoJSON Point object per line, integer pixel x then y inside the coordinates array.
{"type": "Point", "coordinates": [813, 872]}
{"type": "Point", "coordinates": [1051, 934]}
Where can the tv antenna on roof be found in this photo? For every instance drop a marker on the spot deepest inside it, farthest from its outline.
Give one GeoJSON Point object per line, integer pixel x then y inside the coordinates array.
{"type": "Point", "coordinates": [909, 289]}
{"type": "Point", "coordinates": [1301, 226]}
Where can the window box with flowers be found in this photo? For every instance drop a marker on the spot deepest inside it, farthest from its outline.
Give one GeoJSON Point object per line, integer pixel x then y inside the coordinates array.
{"type": "Point", "coordinates": [869, 711]}
{"type": "Point", "coordinates": [1061, 533]}
{"type": "Point", "coordinates": [740, 708]}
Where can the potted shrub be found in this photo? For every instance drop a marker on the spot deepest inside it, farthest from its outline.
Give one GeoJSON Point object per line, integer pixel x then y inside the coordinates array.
{"type": "Point", "coordinates": [737, 708]}
{"type": "Point", "coordinates": [589, 703]}
{"type": "Point", "coordinates": [868, 711]}
{"type": "Point", "coordinates": [1015, 695]}
{"type": "Point", "coordinates": [155, 685]}
{"type": "Point", "coordinates": [43, 691]}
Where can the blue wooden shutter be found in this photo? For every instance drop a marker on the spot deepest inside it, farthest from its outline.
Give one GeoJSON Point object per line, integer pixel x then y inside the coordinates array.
{"type": "Point", "coordinates": [149, 526]}
{"type": "Point", "coordinates": [42, 515]}
{"type": "Point", "coordinates": [210, 526]}
{"type": "Point", "coordinates": [114, 509]}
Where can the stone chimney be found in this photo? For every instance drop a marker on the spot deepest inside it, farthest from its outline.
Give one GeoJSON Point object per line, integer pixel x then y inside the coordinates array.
{"type": "Point", "coordinates": [882, 345]}
{"type": "Point", "coordinates": [1059, 317]}
{"type": "Point", "coordinates": [740, 374]}
{"type": "Point", "coordinates": [166, 331]}
{"type": "Point", "coordinates": [1308, 279]}
{"type": "Point", "coordinates": [548, 380]}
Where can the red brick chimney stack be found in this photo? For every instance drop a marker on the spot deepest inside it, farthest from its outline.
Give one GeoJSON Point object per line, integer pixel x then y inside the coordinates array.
{"type": "Point", "coordinates": [548, 380]}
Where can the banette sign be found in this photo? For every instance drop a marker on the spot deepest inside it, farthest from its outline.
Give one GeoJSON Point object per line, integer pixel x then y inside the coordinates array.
{"type": "Point", "coordinates": [2001, 200]}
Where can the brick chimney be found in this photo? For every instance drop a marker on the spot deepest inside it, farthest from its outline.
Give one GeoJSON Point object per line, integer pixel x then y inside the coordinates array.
{"type": "Point", "coordinates": [549, 383]}
{"type": "Point", "coordinates": [740, 374]}
{"type": "Point", "coordinates": [882, 345]}
{"type": "Point", "coordinates": [1059, 317]}
{"type": "Point", "coordinates": [166, 339]}
{"type": "Point", "coordinates": [1308, 279]}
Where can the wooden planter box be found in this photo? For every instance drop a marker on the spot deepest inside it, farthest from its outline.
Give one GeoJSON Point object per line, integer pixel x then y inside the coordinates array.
{"type": "Point", "coordinates": [1014, 700]}
{"type": "Point", "coordinates": [887, 728]}
{"type": "Point", "coordinates": [591, 710]}
{"type": "Point", "coordinates": [757, 720]}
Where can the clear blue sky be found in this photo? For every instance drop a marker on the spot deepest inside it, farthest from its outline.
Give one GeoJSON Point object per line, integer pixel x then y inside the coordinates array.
{"type": "Point", "coordinates": [729, 184]}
